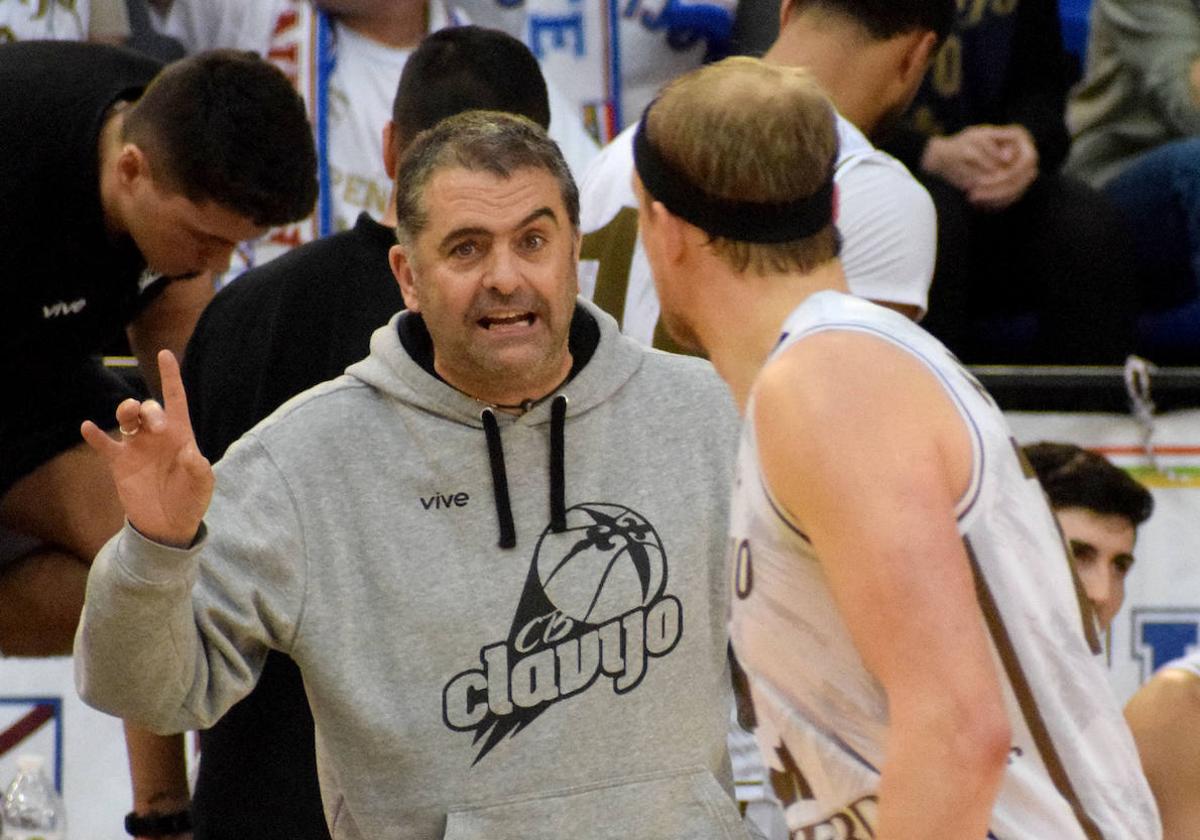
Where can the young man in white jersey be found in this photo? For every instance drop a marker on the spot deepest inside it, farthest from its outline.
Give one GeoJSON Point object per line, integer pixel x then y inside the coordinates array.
{"type": "Point", "coordinates": [914, 674]}
{"type": "Point", "coordinates": [870, 57]}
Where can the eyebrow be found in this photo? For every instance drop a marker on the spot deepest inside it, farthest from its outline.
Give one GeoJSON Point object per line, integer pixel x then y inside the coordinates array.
{"type": "Point", "coordinates": [458, 233]}
{"type": "Point", "coordinates": [198, 231]}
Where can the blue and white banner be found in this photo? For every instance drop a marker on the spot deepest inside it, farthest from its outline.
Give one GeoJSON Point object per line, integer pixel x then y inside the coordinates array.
{"type": "Point", "coordinates": [84, 749]}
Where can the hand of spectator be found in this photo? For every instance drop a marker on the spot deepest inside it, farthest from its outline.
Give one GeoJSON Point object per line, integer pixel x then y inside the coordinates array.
{"type": "Point", "coordinates": [1002, 188]}
{"type": "Point", "coordinates": [964, 158]}
{"type": "Point", "coordinates": [163, 481]}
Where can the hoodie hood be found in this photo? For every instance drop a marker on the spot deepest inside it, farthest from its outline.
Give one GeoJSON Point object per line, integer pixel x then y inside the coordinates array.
{"type": "Point", "coordinates": [400, 365]}
{"type": "Point", "coordinates": [392, 369]}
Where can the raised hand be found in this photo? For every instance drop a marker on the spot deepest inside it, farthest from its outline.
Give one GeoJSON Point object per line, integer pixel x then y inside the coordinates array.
{"type": "Point", "coordinates": [163, 481]}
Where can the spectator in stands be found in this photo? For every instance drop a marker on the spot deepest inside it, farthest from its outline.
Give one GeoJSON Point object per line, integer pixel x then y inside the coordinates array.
{"type": "Point", "coordinates": [870, 57]}
{"type": "Point", "coordinates": [345, 57]}
{"type": "Point", "coordinates": [1164, 716]}
{"type": "Point", "coordinates": [278, 330]}
{"type": "Point", "coordinates": [1134, 119]}
{"type": "Point", "coordinates": [107, 203]}
{"type": "Point", "coordinates": [1099, 508]}
{"type": "Point", "coordinates": [986, 136]}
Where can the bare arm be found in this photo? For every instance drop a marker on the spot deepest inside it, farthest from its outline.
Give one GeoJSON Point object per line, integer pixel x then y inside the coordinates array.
{"type": "Point", "coordinates": [167, 324]}
{"type": "Point", "coordinates": [158, 770]}
{"type": "Point", "coordinates": [1164, 716]}
{"type": "Point", "coordinates": [843, 417]}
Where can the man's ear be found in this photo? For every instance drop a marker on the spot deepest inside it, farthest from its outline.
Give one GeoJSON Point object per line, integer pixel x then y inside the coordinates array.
{"type": "Point", "coordinates": [915, 60]}
{"type": "Point", "coordinates": [390, 153]}
{"type": "Point", "coordinates": [672, 230]}
{"type": "Point", "coordinates": [132, 165]}
{"type": "Point", "coordinates": [398, 259]}
{"type": "Point", "coordinates": [785, 13]}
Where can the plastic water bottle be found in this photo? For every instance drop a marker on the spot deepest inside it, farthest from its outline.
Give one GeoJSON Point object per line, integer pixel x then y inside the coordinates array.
{"type": "Point", "coordinates": [32, 808]}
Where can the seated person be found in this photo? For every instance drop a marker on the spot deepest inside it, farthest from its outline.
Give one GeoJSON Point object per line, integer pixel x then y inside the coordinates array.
{"type": "Point", "coordinates": [1099, 508]}
{"type": "Point", "coordinates": [1031, 266]}
{"type": "Point", "coordinates": [123, 186]}
{"type": "Point", "coordinates": [871, 58]}
{"type": "Point", "coordinates": [1134, 120]}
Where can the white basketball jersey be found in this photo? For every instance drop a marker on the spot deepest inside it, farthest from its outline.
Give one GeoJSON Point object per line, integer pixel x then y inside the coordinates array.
{"type": "Point", "coordinates": [821, 718]}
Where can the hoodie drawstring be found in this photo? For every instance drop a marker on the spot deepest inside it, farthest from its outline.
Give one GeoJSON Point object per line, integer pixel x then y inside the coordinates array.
{"type": "Point", "coordinates": [558, 504]}
{"type": "Point", "coordinates": [491, 430]}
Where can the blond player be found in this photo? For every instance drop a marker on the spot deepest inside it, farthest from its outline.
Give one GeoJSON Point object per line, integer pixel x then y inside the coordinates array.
{"type": "Point", "coordinates": [919, 653]}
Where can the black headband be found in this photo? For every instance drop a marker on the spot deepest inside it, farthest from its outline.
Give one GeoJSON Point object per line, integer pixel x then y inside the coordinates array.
{"type": "Point", "coordinates": [743, 221]}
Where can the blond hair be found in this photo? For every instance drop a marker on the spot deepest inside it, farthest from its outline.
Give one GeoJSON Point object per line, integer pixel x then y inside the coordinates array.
{"type": "Point", "coordinates": [748, 131]}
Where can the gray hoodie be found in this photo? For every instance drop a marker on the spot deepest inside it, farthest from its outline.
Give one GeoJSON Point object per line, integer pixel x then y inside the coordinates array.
{"type": "Point", "coordinates": [574, 685]}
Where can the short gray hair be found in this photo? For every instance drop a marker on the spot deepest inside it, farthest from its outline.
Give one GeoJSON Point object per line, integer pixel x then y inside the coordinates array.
{"type": "Point", "coordinates": [480, 141]}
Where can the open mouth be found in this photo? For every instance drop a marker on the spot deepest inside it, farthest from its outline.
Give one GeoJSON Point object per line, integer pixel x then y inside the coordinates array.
{"type": "Point", "coordinates": [501, 320]}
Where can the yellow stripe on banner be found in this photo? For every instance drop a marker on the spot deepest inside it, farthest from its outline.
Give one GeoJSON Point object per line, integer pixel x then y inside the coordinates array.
{"type": "Point", "coordinates": [1171, 477]}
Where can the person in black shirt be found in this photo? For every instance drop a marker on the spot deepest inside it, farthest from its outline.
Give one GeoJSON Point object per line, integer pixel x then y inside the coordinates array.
{"type": "Point", "coordinates": [120, 179]}
{"type": "Point", "coordinates": [1032, 266]}
{"type": "Point", "coordinates": [280, 329]}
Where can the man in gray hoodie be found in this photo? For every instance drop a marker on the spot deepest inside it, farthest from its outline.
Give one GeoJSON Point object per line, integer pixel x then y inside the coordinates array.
{"type": "Point", "coordinates": [514, 630]}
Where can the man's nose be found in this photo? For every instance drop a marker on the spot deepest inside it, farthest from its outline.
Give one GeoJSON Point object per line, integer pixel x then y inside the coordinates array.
{"type": "Point", "coordinates": [1100, 585]}
{"type": "Point", "coordinates": [503, 272]}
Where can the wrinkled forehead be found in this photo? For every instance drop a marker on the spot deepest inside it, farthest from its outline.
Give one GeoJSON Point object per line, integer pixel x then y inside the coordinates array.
{"type": "Point", "coordinates": [456, 195]}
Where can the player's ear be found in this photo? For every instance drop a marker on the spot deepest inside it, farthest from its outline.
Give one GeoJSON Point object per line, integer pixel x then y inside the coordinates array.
{"type": "Point", "coordinates": [915, 59]}
{"type": "Point", "coordinates": [672, 229]}
{"type": "Point", "coordinates": [400, 261]}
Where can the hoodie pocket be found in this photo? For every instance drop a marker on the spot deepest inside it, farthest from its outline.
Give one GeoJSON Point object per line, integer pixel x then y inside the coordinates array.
{"type": "Point", "coordinates": [662, 806]}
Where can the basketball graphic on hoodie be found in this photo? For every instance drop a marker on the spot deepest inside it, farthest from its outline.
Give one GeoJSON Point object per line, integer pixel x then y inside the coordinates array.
{"type": "Point", "coordinates": [607, 561]}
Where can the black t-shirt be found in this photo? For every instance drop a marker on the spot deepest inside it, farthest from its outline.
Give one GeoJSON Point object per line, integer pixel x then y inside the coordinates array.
{"type": "Point", "coordinates": [68, 287]}
{"type": "Point", "coordinates": [277, 330]}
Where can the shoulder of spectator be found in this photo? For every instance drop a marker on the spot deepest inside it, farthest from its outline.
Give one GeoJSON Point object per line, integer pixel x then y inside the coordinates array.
{"type": "Point", "coordinates": [880, 196]}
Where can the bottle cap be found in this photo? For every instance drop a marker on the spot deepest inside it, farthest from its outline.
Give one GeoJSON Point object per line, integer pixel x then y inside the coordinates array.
{"type": "Point", "coordinates": [30, 763]}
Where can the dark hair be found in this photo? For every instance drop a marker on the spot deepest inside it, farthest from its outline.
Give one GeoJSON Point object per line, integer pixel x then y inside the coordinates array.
{"type": "Point", "coordinates": [466, 68]}
{"type": "Point", "coordinates": [226, 126]}
{"type": "Point", "coordinates": [1075, 477]}
{"type": "Point", "coordinates": [888, 18]}
{"type": "Point", "coordinates": [479, 141]}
